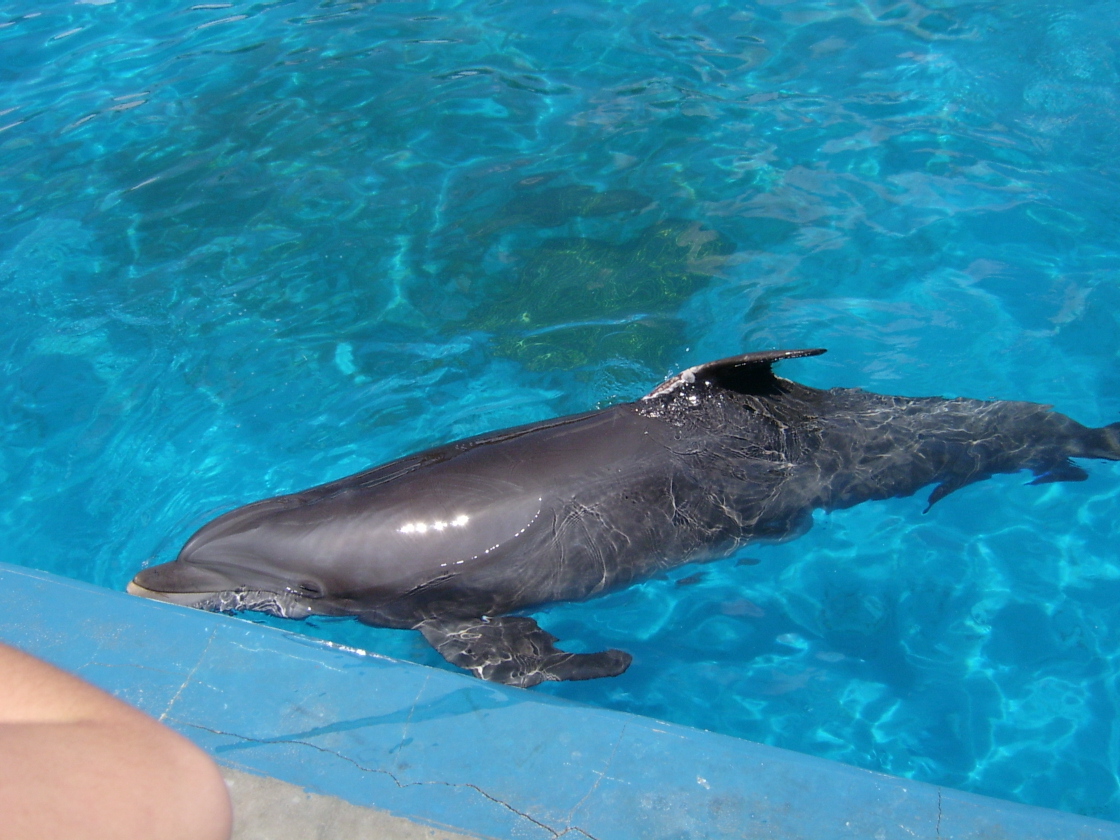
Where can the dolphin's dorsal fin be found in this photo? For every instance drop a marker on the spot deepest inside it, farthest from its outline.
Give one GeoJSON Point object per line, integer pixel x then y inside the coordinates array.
{"type": "Point", "coordinates": [747, 374]}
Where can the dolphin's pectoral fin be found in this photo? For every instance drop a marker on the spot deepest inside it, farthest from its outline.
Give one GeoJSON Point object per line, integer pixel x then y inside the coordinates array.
{"type": "Point", "coordinates": [514, 650]}
{"type": "Point", "coordinates": [942, 490]}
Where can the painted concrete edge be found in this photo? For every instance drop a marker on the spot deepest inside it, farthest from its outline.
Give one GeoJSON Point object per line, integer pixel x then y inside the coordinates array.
{"type": "Point", "coordinates": [459, 755]}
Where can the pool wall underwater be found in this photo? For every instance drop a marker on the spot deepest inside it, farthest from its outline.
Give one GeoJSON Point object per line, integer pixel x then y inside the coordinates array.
{"type": "Point", "coordinates": [453, 752]}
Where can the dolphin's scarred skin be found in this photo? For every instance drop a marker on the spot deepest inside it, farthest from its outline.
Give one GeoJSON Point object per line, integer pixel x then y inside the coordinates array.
{"type": "Point", "coordinates": [451, 540]}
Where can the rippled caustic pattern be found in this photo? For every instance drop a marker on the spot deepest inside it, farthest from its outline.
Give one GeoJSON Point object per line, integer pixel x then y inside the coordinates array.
{"type": "Point", "coordinates": [250, 247]}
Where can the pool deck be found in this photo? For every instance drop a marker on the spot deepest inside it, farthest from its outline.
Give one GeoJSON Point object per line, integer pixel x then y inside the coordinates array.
{"type": "Point", "coordinates": [428, 753]}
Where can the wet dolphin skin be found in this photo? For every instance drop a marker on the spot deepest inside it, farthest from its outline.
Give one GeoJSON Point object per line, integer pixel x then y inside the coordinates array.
{"type": "Point", "coordinates": [452, 540]}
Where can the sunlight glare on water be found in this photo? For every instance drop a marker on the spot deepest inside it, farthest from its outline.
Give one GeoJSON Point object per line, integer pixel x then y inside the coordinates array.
{"type": "Point", "coordinates": [251, 247]}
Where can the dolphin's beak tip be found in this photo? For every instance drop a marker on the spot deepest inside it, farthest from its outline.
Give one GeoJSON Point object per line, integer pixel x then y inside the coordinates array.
{"type": "Point", "coordinates": [134, 588]}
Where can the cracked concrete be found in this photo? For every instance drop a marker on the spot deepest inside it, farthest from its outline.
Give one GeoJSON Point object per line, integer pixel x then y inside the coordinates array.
{"type": "Point", "coordinates": [554, 832]}
{"type": "Point", "coordinates": [187, 680]}
{"type": "Point", "coordinates": [269, 809]}
{"type": "Point", "coordinates": [600, 775]}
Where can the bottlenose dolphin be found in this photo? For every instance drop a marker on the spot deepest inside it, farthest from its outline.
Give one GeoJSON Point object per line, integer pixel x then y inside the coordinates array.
{"type": "Point", "coordinates": [451, 540]}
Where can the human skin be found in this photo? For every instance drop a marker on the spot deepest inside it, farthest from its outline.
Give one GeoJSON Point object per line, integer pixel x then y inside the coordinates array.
{"type": "Point", "coordinates": [79, 764]}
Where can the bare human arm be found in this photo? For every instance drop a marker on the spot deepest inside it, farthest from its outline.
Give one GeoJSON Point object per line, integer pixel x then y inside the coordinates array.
{"type": "Point", "coordinates": [79, 764]}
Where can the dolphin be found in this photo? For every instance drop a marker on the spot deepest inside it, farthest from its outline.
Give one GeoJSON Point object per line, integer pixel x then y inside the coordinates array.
{"type": "Point", "coordinates": [452, 540]}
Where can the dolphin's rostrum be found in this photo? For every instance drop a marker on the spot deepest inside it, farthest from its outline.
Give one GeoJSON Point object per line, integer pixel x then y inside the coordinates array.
{"type": "Point", "coordinates": [452, 540]}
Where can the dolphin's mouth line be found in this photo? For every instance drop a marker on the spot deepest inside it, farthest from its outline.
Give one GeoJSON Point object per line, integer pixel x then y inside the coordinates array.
{"type": "Point", "coordinates": [279, 604]}
{"type": "Point", "coordinates": [186, 599]}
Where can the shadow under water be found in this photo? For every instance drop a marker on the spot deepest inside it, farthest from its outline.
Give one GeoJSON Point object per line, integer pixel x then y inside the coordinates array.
{"type": "Point", "coordinates": [576, 300]}
{"type": "Point", "coordinates": [555, 206]}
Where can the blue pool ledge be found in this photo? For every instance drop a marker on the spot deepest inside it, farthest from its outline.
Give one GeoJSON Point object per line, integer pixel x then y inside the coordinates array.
{"type": "Point", "coordinates": [452, 752]}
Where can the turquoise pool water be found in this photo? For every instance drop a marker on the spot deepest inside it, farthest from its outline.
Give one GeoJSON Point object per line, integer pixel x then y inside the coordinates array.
{"type": "Point", "coordinates": [250, 247]}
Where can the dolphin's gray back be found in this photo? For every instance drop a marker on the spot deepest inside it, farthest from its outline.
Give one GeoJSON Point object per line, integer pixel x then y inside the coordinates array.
{"type": "Point", "coordinates": [701, 469]}
{"type": "Point", "coordinates": [547, 512]}
{"type": "Point", "coordinates": [452, 540]}
{"type": "Point", "coordinates": [786, 449]}
{"type": "Point", "coordinates": [877, 447]}
{"type": "Point", "coordinates": [618, 498]}
{"type": "Point", "coordinates": [719, 456]}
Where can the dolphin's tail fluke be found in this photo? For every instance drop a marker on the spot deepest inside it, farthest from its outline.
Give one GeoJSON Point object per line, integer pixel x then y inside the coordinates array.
{"type": "Point", "coordinates": [1084, 442]}
{"type": "Point", "coordinates": [1102, 443]}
